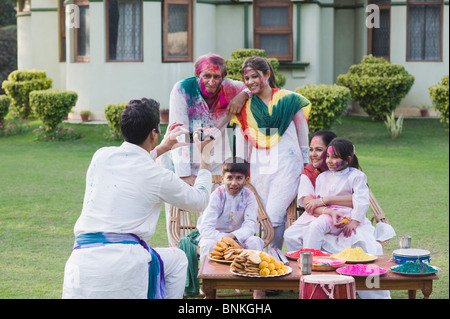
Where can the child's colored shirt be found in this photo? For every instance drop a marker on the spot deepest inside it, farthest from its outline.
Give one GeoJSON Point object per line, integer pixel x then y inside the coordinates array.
{"type": "Point", "coordinates": [230, 214]}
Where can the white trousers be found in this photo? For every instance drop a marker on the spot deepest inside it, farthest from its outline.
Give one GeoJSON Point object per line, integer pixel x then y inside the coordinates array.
{"type": "Point", "coordinates": [121, 271]}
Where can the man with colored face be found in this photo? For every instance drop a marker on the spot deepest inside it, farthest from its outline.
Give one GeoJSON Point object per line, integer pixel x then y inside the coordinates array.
{"type": "Point", "coordinates": [205, 100]}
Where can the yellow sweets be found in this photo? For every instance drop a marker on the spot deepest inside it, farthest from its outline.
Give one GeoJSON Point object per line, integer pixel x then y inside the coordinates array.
{"type": "Point", "coordinates": [353, 254]}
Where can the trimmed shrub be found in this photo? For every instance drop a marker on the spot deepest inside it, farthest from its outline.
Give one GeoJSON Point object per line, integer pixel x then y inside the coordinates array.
{"type": "Point", "coordinates": [439, 96]}
{"type": "Point", "coordinates": [20, 84]}
{"type": "Point", "coordinates": [377, 85]}
{"type": "Point", "coordinates": [5, 101]}
{"type": "Point", "coordinates": [112, 115]}
{"type": "Point", "coordinates": [234, 64]}
{"type": "Point", "coordinates": [328, 102]}
{"type": "Point", "coordinates": [51, 106]}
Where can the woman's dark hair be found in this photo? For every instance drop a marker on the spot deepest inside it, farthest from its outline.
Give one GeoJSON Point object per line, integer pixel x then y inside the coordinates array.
{"type": "Point", "coordinates": [138, 119]}
{"type": "Point", "coordinates": [235, 165]}
{"type": "Point", "coordinates": [326, 136]}
{"type": "Point", "coordinates": [260, 64]}
{"type": "Point", "coordinates": [344, 148]}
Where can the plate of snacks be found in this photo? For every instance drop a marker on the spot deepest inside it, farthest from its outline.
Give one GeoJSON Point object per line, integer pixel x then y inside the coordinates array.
{"type": "Point", "coordinates": [326, 263]}
{"type": "Point", "coordinates": [225, 250]}
{"type": "Point", "coordinates": [258, 264]}
{"type": "Point", "coordinates": [361, 270]}
{"type": "Point", "coordinates": [414, 269]}
{"type": "Point", "coordinates": [294, 255]}
{"type": "Point", "coordinates": [355, 255]}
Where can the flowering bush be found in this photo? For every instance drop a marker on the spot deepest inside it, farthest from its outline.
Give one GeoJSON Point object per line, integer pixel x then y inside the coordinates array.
{"type": "Point", "coordinates": [13, 126]}
{"type": "Point", "coordinates": [112, 136]}
{"type": "Point", "coordinates": [60, 134]}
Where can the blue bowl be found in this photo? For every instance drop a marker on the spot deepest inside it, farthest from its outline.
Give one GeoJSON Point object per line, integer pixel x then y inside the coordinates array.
{"type": "Point", "coordinates": [402, 256]}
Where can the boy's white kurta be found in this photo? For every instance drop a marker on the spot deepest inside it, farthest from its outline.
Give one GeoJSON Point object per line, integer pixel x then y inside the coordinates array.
{"type": "Point", "coordinates": [124, 193]}
{"type": "Point", "coordinates": [230, 214]}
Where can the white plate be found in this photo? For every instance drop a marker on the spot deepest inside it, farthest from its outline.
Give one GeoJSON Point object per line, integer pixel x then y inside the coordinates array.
{"type": "Point", "coordinates": [414, 274]}
{"type": "Point", "coordinates": [222, 261]}
{"type": "Point", "coordinates": [372, 258]}
{"type": "Point", "coordinates": [258, 276]}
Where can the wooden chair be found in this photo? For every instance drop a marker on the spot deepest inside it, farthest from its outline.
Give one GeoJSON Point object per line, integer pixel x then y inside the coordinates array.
{"type": "Point", "coordinates": [182, 222]}
{"type": "Point", "coordinates": [294, 211]}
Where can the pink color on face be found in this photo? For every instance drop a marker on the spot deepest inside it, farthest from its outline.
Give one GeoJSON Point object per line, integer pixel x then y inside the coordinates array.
{"type": "Point", "coordinates": [330, 150]}
{"type": "Point", "coordinates": [317, 153]}
{"type": "Point", "coordinates": [205, 66]}
{"type": "Point", "coordinates": [254, 80]}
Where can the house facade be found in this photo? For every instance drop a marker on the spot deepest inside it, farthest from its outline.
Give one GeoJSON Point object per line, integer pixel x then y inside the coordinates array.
{"type": "Point", "coordinates": [111, 51]}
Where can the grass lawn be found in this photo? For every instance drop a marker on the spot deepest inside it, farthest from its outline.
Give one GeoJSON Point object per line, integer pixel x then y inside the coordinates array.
{"type": "Point", "coordinates": [43, 186]}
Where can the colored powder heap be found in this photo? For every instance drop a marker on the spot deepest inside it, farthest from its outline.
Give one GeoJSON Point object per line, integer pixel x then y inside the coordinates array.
{"type": "Point", "coordinates": [353, 254]}
{"type": "Point", "coordinates": [363, 270]}
{"type": "Point", "coordinates": [414, 268]}
{"type": "Point", "coordinates": [314, 251]}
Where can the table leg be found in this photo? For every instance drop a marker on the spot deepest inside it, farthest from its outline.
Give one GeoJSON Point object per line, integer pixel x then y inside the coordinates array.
{"type": "Point", "coordinates": [210, 292]}
{"type": "Point", "coordinates": [411, 294]}
{"type": "Point", "coordinates": [427, 289]}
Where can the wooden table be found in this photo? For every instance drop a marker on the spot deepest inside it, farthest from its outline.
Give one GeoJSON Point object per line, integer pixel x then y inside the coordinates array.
{"type": "Point", "coordinates": [218, 276]}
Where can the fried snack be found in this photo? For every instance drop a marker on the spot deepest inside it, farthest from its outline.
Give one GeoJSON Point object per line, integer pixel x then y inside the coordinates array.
{"type": "Point", "coordinates": [246, 263]}
{"type": "Point", "coordinates": [231, 242]}
{"type": "Point", "coordinates": [225, 249]}
{"type": "Point", "coordinates": [345, 220]}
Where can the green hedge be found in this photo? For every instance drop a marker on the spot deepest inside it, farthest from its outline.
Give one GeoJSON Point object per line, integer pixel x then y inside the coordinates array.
{"type": "Point", "coordinates": [377, 85]}
{"type": "Point", "coordinates": [51, 106]}
{"type": "Point", "coordinates": [234, 64]}
{"type": "Point", "coordinates": [5, 101]}
{"type": "Point", "coordinates": [328, 102]}
{"type": "Point", "coordinates": [20, 84]}
{"type": "Point", "coordinates": [112, 115]}
{"type": "Point", "coordinates": [439, 94]}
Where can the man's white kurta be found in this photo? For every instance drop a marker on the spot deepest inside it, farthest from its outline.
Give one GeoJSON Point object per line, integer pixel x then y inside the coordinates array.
{"type": "Point", "coordinates": [124, 193]}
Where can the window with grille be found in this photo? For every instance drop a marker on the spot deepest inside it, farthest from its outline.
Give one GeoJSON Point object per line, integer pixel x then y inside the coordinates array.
{"type": "Point", "coordinates": [425, 30]}
{"type": "Point", "coordinates": [273, 28]}
{"type": "Point", "coordinates": [81, 34]}
{"type": "Point", "coordinates": [124, 30]}
{"type": "Point", "coordinates": [379, 37]}
{"type": "Point", "coordinates": [177, 31]}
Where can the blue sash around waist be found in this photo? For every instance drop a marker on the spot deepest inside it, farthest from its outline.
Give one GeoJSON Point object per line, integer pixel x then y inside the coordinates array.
{"type": "Point", "coordinates": [156, 283]}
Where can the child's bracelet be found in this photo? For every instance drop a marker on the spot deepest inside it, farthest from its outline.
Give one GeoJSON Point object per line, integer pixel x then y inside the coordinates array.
{"type": "Point", "coordinates": [321, 198]}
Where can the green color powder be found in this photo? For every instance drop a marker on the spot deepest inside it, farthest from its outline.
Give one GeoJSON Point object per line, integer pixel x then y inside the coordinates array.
{"type": "Point", "coordinates": [414, 268]}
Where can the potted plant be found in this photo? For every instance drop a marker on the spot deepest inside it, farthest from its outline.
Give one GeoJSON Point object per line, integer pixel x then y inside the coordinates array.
{"type": "Point", "coordinates": [85, 115]}
{"type": "Point", "coordinates": [424, 110]}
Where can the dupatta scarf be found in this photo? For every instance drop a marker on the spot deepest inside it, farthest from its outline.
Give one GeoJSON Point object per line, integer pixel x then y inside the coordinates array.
{"type": "Point", "coordinates": [264, 125]}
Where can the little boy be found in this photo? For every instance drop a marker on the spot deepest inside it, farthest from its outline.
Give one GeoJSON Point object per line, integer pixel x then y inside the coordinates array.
{"type": "Point", "coordinates": [232, 211]}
